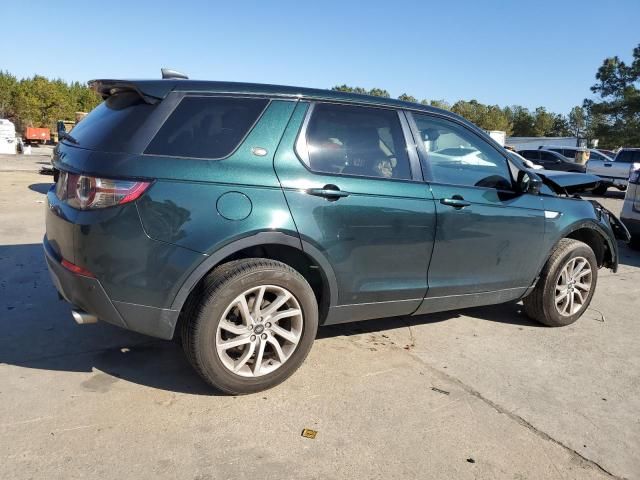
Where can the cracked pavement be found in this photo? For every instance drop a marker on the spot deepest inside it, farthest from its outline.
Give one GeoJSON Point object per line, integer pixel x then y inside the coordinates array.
{"type": "Point", "coordinates": [480, 393]}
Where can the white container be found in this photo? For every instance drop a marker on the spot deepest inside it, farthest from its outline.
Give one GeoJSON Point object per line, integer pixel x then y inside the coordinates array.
{"type": "Point", "coordinates": [498, 135]}
{"type": "Point", "coordinates": [7, 137]}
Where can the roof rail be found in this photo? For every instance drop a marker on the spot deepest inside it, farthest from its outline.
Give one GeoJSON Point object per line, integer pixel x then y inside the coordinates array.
{"type": "Point", "coordinates": [168, 73]}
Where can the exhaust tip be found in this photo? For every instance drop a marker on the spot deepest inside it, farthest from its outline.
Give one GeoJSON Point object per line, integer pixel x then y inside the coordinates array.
{"type": "Point", "coordinates": [82, 318]}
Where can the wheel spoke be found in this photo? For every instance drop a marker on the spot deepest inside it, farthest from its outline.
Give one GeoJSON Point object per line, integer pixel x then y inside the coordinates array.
{"type": "Point", "coordinates": [286, 334]}
{"type": "Point", "coordinates": [233, 328]}
{"type": "Point", "coordinates": [285, 314]}
{"type": "Point", "coordinates": [583, 286]}
{"type": "Point", "coordinates": [258, 301]}
{"type": "Point", "coordinates": [235, 342]}
{"type": "Point", "coordinates": [241, 302]}
{"type": "Point", "coordinates": [584, 272]}
{"type": "Point", "coordinates": [570, 302]}
{"type": "Point", "coordinates": [245, 357]}
{"type": "Point", "coordinates": [578, 266]}
{"type": "Point", "coordinates": [259, 355]}
{"type": "Point", "coordinates": [276, 346]}
{"type": "Point", "coordinates": [578, 293]}
{"type": "Point", "coordinates": [276, 304]}
{"type": "Point", "coordinates": [562, 296]}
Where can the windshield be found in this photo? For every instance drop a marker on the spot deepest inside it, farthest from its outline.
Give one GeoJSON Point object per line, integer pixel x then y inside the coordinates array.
{"type": "Point", "coordinates": [628, 156]}
{"type": "Point", "coordinates": [112, 125]}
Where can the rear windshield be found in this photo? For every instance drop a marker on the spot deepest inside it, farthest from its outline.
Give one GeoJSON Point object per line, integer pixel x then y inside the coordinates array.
{"type": "Point", "coordinates": [206, 127]}
{"type": "Point", "coordinates": [628, 156]}
{"type": "Point", "coordinates": [112, 125]}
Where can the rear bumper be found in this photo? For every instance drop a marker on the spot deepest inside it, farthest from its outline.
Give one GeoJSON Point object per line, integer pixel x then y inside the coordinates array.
{"type": "Point", "coordinates": [87, 294]}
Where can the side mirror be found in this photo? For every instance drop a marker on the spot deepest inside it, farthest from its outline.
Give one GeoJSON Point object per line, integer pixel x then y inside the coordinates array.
{"type": "Point", "coordinates": [529, 183]}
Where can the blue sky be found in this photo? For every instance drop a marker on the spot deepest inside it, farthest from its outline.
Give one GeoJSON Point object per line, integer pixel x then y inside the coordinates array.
{"type": "Point", "coordinates": [527, 53]}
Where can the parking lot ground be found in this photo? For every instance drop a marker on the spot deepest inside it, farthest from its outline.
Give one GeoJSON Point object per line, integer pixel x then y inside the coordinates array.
{"type": "Point", "coordinates": [480, 393]}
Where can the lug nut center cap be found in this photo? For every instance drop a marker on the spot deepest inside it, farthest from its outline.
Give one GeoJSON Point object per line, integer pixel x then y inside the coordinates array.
{"type": "Point", "coordinates": [258, 329]}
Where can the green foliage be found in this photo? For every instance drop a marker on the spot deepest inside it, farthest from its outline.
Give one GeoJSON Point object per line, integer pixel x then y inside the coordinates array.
{"type": "Point", "coordinates": [376, 92]}
{"type": "Point", "coordinates": [515, 120]}
{"type": "Point", "coordinates": [41, 102]}
{"type": "Point", "coordinates": [407, 98]}
{"type": "Point", "coordinates": [615, 118]}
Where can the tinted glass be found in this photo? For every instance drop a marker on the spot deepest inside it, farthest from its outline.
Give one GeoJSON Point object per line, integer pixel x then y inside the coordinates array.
{"type": "Point", "coordinates": [530, 154]}
{"type": "Point", "coordinates": [206, 127]}
{"type": "Point", "coordinates": [457, 156]}
{"type": "Point", "coordinates": [548, 157]}
{"type": "Point", "coordinates": [628, 156]}
{"type": "Point", "coordinates": [596, 156]}
{"type": "Point", "coordinates": [353, 140]}
{"type": "Point", "coordinates": [112, 125]}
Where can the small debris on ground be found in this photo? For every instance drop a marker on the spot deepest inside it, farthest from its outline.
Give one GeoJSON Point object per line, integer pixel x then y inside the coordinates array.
{"type": "Point", "coordinates": [471, 460]}
{"type": "Point", "coordinates": [444, 392]}
{"type": "Point", "coordinates": [308, 433]}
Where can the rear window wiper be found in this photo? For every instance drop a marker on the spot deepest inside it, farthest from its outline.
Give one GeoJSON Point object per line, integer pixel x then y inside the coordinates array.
{"type": "Point", "coordinates": [67, 136]}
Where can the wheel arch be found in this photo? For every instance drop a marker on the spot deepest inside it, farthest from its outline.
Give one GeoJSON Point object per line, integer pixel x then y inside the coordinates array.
{"type": "Point", "coordinates": [287, 248]}
{"type": "Point", "coordinates": [595, 236]}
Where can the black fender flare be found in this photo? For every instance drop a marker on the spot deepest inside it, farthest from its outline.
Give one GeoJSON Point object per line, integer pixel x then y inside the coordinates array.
{"type": "Point", "coordinates": [259, 238]}
{"type": "Point", "coordinates": [613, 247]}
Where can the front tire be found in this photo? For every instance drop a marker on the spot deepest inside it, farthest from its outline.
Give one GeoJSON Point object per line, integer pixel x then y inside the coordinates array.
{"type": "Point", "coordinates": [250, 326]}
{"type": "Point", "coordinates": [566, 285]}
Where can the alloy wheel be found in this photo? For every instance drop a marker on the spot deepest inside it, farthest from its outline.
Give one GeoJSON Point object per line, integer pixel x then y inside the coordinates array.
{"type": "Point", "coordinates": [259, 331]}
{"type": "Point", "coordinates": [573, 286]}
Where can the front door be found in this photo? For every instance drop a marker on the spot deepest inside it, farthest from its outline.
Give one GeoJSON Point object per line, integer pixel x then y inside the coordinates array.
{"type": "Point", "coordinates": [489, 238]}
{"type": "Point", "coordinates": [356, 195]}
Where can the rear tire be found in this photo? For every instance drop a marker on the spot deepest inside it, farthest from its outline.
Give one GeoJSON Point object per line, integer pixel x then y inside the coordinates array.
{"type": "Point", "coordinates": [238, 305]}
{"type": "Point", "coordinates": [566, 285]}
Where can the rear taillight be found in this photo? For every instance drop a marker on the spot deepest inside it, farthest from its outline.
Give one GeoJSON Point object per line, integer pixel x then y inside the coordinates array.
{"type": "Point", "coordinates": [88, 193]}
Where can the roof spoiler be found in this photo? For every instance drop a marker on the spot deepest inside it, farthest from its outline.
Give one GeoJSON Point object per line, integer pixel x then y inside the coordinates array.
{"type": "Point", "coordinates": [106, 88]}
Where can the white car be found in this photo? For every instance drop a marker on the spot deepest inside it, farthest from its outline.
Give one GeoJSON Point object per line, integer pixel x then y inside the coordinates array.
{"type": "Point", "coordinates": [630, 215]}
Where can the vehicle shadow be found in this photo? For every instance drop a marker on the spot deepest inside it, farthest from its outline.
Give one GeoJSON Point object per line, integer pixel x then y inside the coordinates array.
{"type": "Point", "coordinates": [37, 332]}
{"type": "Point", "coordinates": [40, 187]}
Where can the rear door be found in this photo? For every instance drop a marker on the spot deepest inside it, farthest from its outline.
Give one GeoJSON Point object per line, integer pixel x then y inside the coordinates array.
{"type": "Point", "coordinates": [356, 194]}
{"type": "Point", "coordinates": [489, 237]}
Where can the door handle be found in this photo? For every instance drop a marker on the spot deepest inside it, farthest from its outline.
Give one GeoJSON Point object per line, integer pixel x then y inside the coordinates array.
{"type": "Point", "coordinates": [330, 192]}
{"type": "Point", "coordinates": [607, 164]}
{"type": "Point", "coordinates": [456, 202]}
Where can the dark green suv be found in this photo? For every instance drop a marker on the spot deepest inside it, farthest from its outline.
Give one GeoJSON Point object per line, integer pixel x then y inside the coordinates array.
{"type": "Point", "coordinates": [241, 217]}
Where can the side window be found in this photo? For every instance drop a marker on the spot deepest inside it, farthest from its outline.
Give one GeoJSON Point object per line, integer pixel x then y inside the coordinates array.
{"type": "Point", "coordinates": [206, 127]}
{"type": "Point", "coordinates": [353, 140]}
{"type": "Point", "coordinates": [531, 155]}
{"type": "Point", "coordinates": [457, 156]}
{"type": "Point", "coordinates": [547, 157]}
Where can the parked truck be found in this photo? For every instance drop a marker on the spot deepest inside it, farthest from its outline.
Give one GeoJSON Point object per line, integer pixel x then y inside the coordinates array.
{"type": "Point", "coordinates": [36, 135]}
{"type": "Point", "coordinates": [617, 170]}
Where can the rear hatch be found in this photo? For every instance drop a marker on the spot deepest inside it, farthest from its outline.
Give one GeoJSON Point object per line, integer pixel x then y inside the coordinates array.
{"type": "Point", "coordinates": [103, 146]}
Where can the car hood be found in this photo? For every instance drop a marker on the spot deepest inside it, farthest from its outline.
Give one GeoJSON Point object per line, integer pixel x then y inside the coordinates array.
{"type": "Point", "coordinates": [568, 182]}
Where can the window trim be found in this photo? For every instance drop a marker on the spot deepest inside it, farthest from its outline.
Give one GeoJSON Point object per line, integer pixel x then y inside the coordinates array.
{"type": "Point", "coordinates": [182, 96]}
{"type": "Point", "coordinates": [302, 151]}
{"type": "Point", "coordinates": [424, 156]}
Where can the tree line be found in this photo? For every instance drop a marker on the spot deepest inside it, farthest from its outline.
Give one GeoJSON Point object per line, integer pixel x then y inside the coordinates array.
{"type": "Point", "coordinates": [40, 102]}
{"type": "Point", "coordinates": [613, 117]}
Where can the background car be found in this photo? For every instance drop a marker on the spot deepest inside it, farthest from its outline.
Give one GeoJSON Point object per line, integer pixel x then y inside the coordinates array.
{"type": "Point", "coordinates": [630, 215]}
{"type": "Point", "coordinates": [552, 160]}
{"type": "Point", "coordinates": [528, 163]}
